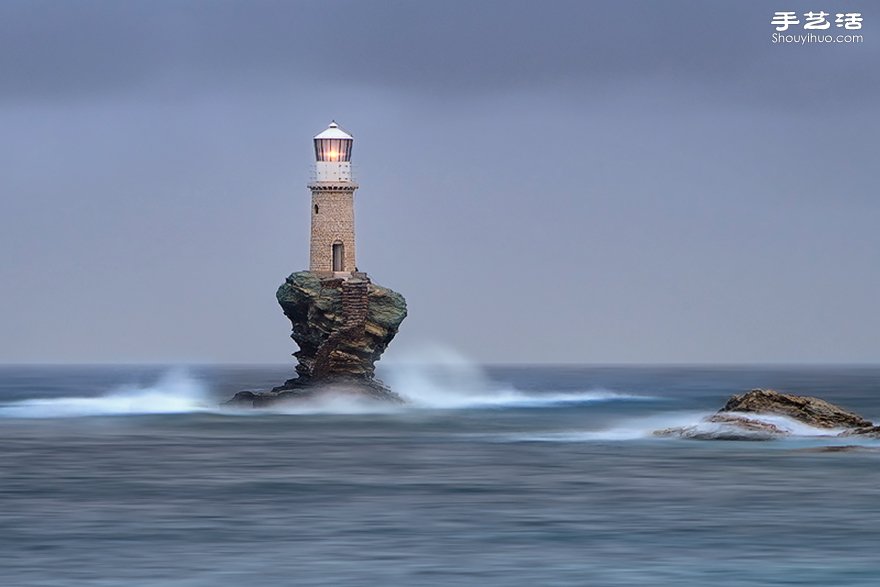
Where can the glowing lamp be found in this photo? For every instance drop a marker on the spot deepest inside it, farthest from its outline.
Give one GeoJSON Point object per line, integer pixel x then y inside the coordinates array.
{"type": "Point", "coordinates": [333, 144]}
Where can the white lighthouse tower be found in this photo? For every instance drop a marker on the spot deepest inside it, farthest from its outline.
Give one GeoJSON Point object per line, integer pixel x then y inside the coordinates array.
{"type": "Point", "coordinates": [332, 249]}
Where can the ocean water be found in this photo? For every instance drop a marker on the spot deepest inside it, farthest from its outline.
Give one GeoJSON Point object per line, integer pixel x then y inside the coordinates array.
{"type": "Point", "coordinates": [500, 476]}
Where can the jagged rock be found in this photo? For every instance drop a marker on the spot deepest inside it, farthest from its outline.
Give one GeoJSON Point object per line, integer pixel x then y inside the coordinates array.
{"type": "Point", "coordinates": [336, 340]}
{"type": "Point", "coordinates": [809, 410]}
{"type": "Point", "coordinates": [342, 328]}
{"type": "Point", "coordinates": [740, 418]}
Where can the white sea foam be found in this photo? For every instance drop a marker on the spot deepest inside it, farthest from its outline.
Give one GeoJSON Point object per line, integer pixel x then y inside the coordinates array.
{"type": "Point", "coordinates": [431, 378]}
{"type": "Point", "coordinates": [440, 378]}
{"type": "Point", "coordinates": [695, 422]}
{"type": "Point", "coordinates": [626, 429]}
{"type": "Point", "coordinates": [787, 425]}
{"type": "Point", "coordinates": [453, 398]}
{"type": "Point", "coordinates": [174, 393]}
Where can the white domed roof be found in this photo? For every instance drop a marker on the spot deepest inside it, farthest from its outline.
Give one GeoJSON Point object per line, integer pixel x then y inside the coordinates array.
{"type": "Point", "coordinates": [333, 132]}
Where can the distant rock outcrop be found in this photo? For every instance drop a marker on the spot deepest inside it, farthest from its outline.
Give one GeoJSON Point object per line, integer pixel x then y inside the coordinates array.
{"type": "Point", "coordinates": [809, 410]}
{"type": "Point", "coordinates": [342, 327]}
{"type": "Point", "coordinates": [744, 417]}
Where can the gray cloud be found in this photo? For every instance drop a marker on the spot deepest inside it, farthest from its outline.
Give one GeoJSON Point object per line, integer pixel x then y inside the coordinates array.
{"type": "Point", "coordinates": [451, 48]}
{"type": "Point", "coordinates": [644, 181]}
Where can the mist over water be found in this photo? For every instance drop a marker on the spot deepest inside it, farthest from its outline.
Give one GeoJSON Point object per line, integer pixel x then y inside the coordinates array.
{"type": "Point", "coordinates": [494, 476]}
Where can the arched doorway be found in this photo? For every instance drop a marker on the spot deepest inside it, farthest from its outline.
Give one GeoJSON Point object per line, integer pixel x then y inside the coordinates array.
{"type": "Point", "coordinates": [338, 256]}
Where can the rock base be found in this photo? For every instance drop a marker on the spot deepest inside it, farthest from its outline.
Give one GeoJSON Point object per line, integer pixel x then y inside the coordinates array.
{"type": "Point", "coordinates": [305, 389]}
{"type": "Point", "coordinates": [342, 327]}
{"type": "Point", "coordinates": [726, 427]}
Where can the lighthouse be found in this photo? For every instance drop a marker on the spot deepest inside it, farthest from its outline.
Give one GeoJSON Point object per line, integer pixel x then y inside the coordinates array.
{"type": "Point", "coordinates": [341, 320]}
{"type": "Point", "coordinates": [332, 247]}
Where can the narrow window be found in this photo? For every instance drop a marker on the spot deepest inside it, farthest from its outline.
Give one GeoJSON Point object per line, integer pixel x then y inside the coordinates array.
{"type": "Point", "coordinates": [316, 208]}
{"type": "Point", "coordinates": [338, 257]}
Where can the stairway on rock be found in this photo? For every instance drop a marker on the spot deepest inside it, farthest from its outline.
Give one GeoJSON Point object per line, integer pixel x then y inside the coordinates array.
{"type": "Point", "coordinates": [355, 302]}
{"type": "Point", "coordinates": [355, 308]}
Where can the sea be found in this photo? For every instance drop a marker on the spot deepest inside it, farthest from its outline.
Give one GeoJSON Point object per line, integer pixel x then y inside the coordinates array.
{"type": "Point", "coordinates": [134, 476]}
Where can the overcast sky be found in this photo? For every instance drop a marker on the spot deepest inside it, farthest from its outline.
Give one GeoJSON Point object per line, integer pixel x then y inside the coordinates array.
{"type": "Point", "coordinates": [560, 181]}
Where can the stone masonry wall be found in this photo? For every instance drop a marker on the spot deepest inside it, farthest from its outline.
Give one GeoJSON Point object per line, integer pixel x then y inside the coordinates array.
{"type": "Point", "coordinates": [333, 222]}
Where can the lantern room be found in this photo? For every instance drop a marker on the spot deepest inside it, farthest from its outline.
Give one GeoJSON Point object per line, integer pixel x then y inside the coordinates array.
{"type": "Point", "coordinates": [333, 145]}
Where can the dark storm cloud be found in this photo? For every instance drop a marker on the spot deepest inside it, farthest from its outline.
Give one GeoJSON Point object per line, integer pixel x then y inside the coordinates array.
{"type": "Point", "coordinates": [55, 49]}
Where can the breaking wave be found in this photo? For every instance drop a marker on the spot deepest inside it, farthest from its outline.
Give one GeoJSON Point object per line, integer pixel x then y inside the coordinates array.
{"type": "Point", "coordinates": [443, 379]}
{"type": "Point", "coordinates": [436, 379]}
{"type": "Point", "coordinates": [174, 393]}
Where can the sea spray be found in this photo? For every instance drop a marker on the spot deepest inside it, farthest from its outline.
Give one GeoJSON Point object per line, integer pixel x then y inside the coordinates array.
{"type": "Point", "coordinates": [435, 376]}
{"type": "Point", "coordinates": [175, 392]}
{"type": "Point", "coordinates": [430, 378]}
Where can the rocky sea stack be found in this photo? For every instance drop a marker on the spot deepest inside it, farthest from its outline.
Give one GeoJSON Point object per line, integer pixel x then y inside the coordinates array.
{"type": "Point", "coordinates": [764, 414]}
{"type": "Point", "coordinates": [342, 327]}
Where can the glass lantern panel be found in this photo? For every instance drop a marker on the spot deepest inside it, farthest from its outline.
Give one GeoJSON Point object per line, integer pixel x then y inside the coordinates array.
{"type": "Point", "coordinates": [333, 149]}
